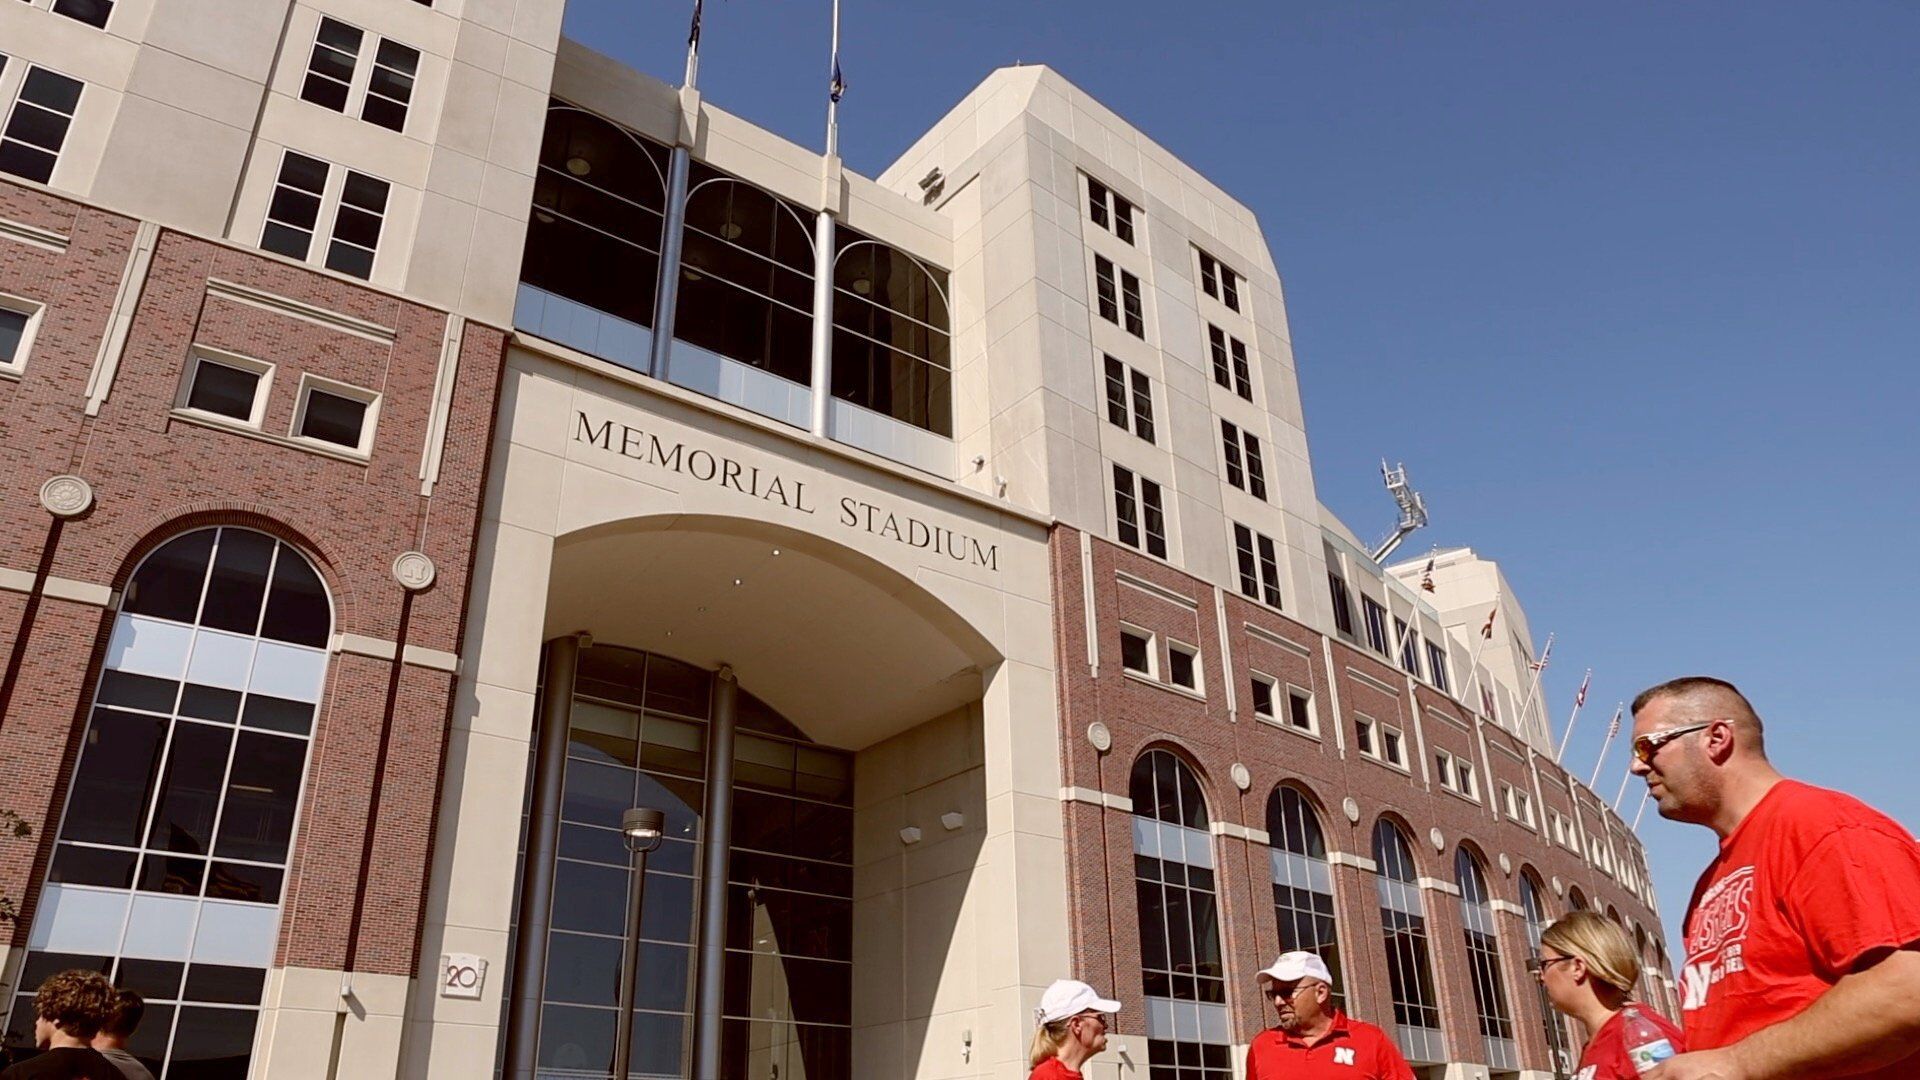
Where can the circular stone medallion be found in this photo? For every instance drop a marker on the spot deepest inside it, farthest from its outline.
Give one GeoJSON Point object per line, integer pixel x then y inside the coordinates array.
{"type": "Point", "coordinates": [413, 570]}
{"type": "Point", "coordinates": [66, 496]}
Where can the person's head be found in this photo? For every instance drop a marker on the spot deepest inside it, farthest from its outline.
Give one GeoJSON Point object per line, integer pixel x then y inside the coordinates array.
{"type": "Point", "coordinates": [1301, 988]}
{"type": "Point", "coordinates": [128, 1008]}
{"type": "Point", "coordinates": [1585, 958]}
{"type": "Point", "coordinates": [1690, 736]}
{"type": "Point", "coordinates": [1071, 1023]}
{"type": "Point", "coordinates": [73, 1004]}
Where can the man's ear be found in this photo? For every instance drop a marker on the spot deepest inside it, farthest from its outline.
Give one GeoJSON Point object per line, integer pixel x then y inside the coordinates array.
{"type": "Point", "coordinates": [1722, 739]}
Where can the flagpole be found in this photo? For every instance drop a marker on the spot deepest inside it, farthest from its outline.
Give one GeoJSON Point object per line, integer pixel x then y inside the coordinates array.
{"type": "Point", "coordinates": [692, 79]}
{"type": "Point", "coordinates": [1473, 666]}
{"type": "Point", "coordinates": [833, 96]}
{"type": "Point", "coordinates": [1622, 793]}
{"type": "Point", "coordinates": [1644, 799]}
{"type": "Point", "coordinates": [1539, 669]}
{"type": "Point", "coordinates": [825, 247]}
{"type": "Point", "coordinates": [1579, 700]}
{"type": "Point", "coordinates": [1613, 729]}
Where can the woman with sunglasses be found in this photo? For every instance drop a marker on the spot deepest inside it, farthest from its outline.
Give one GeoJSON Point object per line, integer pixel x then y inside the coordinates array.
{"type": "Point", "coordinates": [1072, 1027]}
{"type": "Point", "coordinates": [1589, 969]}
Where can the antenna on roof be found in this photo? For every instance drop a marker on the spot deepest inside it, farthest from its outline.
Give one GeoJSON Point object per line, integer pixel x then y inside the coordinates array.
{"type": "Point", "coordinates": [1413, 510]}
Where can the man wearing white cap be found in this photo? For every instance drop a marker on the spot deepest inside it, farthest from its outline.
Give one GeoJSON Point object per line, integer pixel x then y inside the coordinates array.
{"type": "Point", "coordinates": [1313, 1040]}
{"type": "Point", "coordinates": [1072, 1023]}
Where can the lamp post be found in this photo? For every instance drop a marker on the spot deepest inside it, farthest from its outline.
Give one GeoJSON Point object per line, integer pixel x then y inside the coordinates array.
{"type": "Point", "coordinates": [642, 828]}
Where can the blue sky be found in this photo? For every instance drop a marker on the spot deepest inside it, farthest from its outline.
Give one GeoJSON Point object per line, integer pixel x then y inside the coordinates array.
{"type": "Point", "coordinates": [1633, 289]}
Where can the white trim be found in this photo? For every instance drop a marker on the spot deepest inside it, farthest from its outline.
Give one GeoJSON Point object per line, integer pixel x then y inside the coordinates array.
{"type": "Point", "coordinates": [1152, 674]}
{"type": "Point", "coordinates": [1156, 591]}
{"type": "Point", "coordinates": [1438, 885]}
{"type": "Point", "coordinates": [1226, 654]}
{"type": "Point", "coordinates": [444, 378]}
{"type": "Point", "coordinates": [370, 419]}
{"type": "Point", "coordinates": [361, 645]}
{"type": "Point", "coordinates": [1507, 907]}
{"type": "Point", "coordinates": [199, 355]}
{"type": "Point", "coordinates": [1097, 798]}
{"type": "Point", "coordinates": [1191, 652]}
{"type": "Point", "coordinates": [32, 235]}
{"type": "Point", "coordinates": [1274, 639]}
{"type": "Point", "coordinates": [1383, 687]}
{"type": "Point", "coordinates": [1358, 862]}
{"type": "Point", "coordinates": [1313, 711]}
{"type": "Point", "coordinates": [437, 659]}
{"type": "Point", "coordinates": [126, 299]}
{"type": "Point", "coordinates": [220, 289]}
{"type": "Point", "coordinates": [1086, 601]}
{"type": "Point", "coordinates": [35, 313]}
{"type": "Point", "coordinates": [1238, 832]}
{"type": "Point", "coordinates": [1255, 675]}
{"type": "Point", "coordinates": [59, 588]}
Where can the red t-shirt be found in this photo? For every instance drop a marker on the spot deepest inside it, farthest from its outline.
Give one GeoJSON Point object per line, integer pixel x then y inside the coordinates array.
{"type": "Point", "coordinates": [1350, 1050]}
{"type": "Point", "coordinates": [1053, 1069]}
{"type": "Point", "coordinates": [1606, 1055]}
{"type": "Point", "coordinates": [1805, 887]}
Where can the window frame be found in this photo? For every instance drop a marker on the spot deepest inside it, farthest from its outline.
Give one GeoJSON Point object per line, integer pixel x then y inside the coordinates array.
{"type": "Point", "coordinates": [54, 7]}
{"type": "Point", "coordinates": [326, 220]}
{"type": "Point", "coordinates": [1129, 397]}
{"type": "Point", "coordinates": [357, 89]}
{"type": "Point", "coordinates": [1376, 736]}
{"type": "Point", "coordinates": [18, 97]}
{"type": "Point", "coordinates": [1377, 639]}
{"type": "Point", "coordinates": [35, 314]}
{"type": "Point", "coordinates": [309, 384]}
{"type": "Point", "coordinates": [1225, 280]}
{"type": "Point", "coordinates": [200, 355]}
{"type": "Point", "coordinates": [1152, 640]}
{"type": "Point", "coordinates": [1437, 667]}
{"type": "Point", "coordinates": [1259, 681]}
{"type": "Point", "coordinates": [1110, 210]}
{"type": "Point", "coordinates": [1176, 647]}
{"type": "Point", "coordinates": [1295, 695]}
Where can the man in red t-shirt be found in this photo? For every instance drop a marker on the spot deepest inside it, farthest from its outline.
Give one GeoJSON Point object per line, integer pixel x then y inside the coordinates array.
{"type": "Point", "coordinates": [1314, 1041]}
{"type": "Point", "coordinates": [1803, 935]}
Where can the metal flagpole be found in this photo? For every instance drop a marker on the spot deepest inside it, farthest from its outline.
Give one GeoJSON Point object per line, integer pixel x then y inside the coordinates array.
{"type": "Point", "coordinates": [824, 245]}
{"type": "Point", "coordinates": [1622, 793]}
{"type": "Point", "coordinates": [1613, 728]}
{"type": "Point", "coordinates": [1473, 666]}
{"type": "Point", "coordinates": [1644, 799]}
{"type": "Point", "coordinates": [1579, 699]}
{"type": "Point", "coordinates": [1533, 687]}
{"type": "Point", "coordinates": [692, 79]}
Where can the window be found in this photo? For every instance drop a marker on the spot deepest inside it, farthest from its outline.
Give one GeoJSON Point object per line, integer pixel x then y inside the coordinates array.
{"type": "Point", "coordinates": [1376, 620]}
{"type": "Point", "coordinates": [1137, 511]}
{"type": "Point", "coordinates": [1303, 882]}
{"type": "Point", "coordinates": [299, 196]}
{"type": "Point", "coordinates": [1109, 211]}
{"type": "Point", "coordinates": [1483, 962]}
{"type": "Point", "coordinates": [1393, 747]}
{"type": "Point", "coordinates": [1533, 907]}
{"type": "Point", "coordinates": [1129, 399]}
{"type": "Point", "coordinates": [91, 12]}
{"type": "Point", "coordinates": [1416, 1008]}
{"type": "Point", "coordinates": [338, 415]}
{"type": "Point", "coordinates": [746, 293]}
{"type": "Point", "coordinates": [19, 322]}
{"type": "Point", "coordinates": [1437, 666]}
{"type": "Point", "coordinates": [1219, 282]}
{"type": "Point", "coordinates": [1519, 804]}
{"type": "Point", "coordinates": [329, 81]}
{"type": "Point", "coordinates": [1231, 368]}
{"type": "Point", "coordinates": [171, 855]}
{"type": "Point", "coordinates": [1117, 294]}
{"type": "Point", "coordinates": [1258, 562]}
{"type": "Point", "coordinates": [1300, 710]}
{"type": "Point", "coordinates": [1456, 774]}
{"type": "Point", "coordinates": [1245, 470]}
{"type": "Point", "coordinates": [1409, 647]}
{"type": "Point", "coordinates": [1363, 737]}
{"type": "Point", "coordinates": [892, 342]}
{"type": "Point", "coordinates": [1380, 742]}
{"type": "Point", "coordinates": [1183, 666]}
{"type": "Point", "coordinates": [227, 385]}
{"type": "Point", "coordinates": [1137, 652]}
{"type": "Point", "coordinates": [1342, 603]}
{"type": "Point", "coordinates": [1263, 690]}
{"type": "Point", "coordinates": [1130, 303]}
{"type": "Point", "coordinates": [38, 127]}
{"type": "Point", "coordinates": [1180, 946]}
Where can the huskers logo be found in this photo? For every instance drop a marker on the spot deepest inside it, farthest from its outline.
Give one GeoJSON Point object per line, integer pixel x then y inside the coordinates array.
{"type": "Point", "coordinates": [1716, 936]}
{"type": "Point", "coordinates": [1343, 1055]}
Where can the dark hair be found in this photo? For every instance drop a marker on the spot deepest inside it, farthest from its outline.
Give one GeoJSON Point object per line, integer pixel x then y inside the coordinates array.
{"type": "Point", "coordinates": [1688, 685]}
{"type": "Point", "coordinates": [76, 1001]}
{"type": "Point", "coordinates": [128, 1008]}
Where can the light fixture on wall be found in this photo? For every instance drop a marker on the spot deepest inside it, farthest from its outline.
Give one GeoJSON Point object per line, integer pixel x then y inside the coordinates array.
{"type": "Point", "coordinates": [863, 286]}
{"type": "Point", "coordinates": [579, 166]}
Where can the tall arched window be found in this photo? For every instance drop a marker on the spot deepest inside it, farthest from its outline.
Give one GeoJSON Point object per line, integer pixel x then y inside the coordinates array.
{"type": "Point", "coordinates": [170, 859]}
{"type": "Point", "coordinates": [1188, 1037]}
{"type": "Point", "coordinates": [1403, 917]}
{"type": "Point", "coordinates": [1483, 962]}
{"type": "Point", "coordinates": [746, 276]}
{"type": "Point", "coordinates": [1533, 905]}
{"type": "Point", "coordinates": [1576, 900]}
{"type": "Point", "coordinates": [1303, 881]}
{"type": "Point", "coordinates": [891, 327]}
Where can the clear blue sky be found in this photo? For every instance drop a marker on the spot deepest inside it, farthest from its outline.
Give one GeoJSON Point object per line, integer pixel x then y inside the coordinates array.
{"type": "Point", "coordinates": [1633, 289]}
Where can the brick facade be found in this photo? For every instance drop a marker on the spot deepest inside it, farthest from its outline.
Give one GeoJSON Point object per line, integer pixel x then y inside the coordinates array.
{"type": "Point", "coordinates": [1145, 593]}
{"type": "Point", "coordinates": [155, 475]}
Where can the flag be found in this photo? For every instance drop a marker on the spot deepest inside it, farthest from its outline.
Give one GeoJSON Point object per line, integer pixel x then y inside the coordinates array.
{"type": "Point", "coordinates": [693, 35]}
{"type": "Point", "coordinates": [1486, 632]}
{"type": "Point", "coordinates": [1546, 656]}
{"type": "Point", "coordinates": [1614, 727]}
{"type": "Point", "coordinates": [1580, 698]}
{"type": "Point", "coordinates": [839, 84]}
{"type": "Point", "coordinates": [1426, 577]}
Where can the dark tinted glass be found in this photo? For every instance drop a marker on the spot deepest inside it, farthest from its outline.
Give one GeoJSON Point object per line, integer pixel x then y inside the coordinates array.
{"type": "Point", "coordinates": [183, 819]}
{"type": "Point", "coordinates": [23, 160]}
{"type": "Point", "coordinates": [350, 260]}
{"type": "Point", "coordinates": [210, 703]}
{"type": "Point", "coordinates": [676, 687]}
{"type": "Point", "coordinates": [1133, 653]}
{"type": "Point", "coordinates": [333, 418]}
{"type": "Point", "coordinates": [13, 326]}
{"type": "Point", "coordinates": [150, 978]}
{"type": "Point", "coordinates": [138, 691]}
{"type": "Point", "coordinates": [92, 866]}
{"type": "Point", "coordinates": [307, 174]}
{"type": "Point", "coordinates": [240, 566]}
{"type": "Point", "coordinates": [668, 912]}
{"type": "Point", "coordinates": [115, 780]}
{"type": "Point", "coordinates": [583, 970]}
{"type": "Point", "coordinates": [180, 875]}
{"type": "Point", "coordinates": [297, 608]}
{"type": "Point", "coordinates": [91, 12]}
{"type": "Point", "coordinates": [278, 714]}
{"type": "Point", "coordinates": [51, 90]}
{"type": "Point", "coordinates": [242, 881]}
{"type": "Point", "coordinates": [167, 585]}
{"type": "Point", "coordinates": [597, 794]}
{"type": "Point", "coordinates": [591, 898]}
{"type": "Point", "coordinates": [576, 1041]}
{"type": "Point", "coordinates": [280, 239]}
{"type": "Point", "coordinates": [212, 1044]}
{"type": "Point", "coordinates": [229, 985]}
{"type": "Point", "coordinates": [227, 391]}
{"type": "Point", "coordinates": [257, 821]}
{"type": "Point", "coordinates": [385, 112]}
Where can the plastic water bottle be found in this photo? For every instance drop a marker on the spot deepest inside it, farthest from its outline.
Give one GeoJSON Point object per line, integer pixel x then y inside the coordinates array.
{"type": "Point", "coordinates": [1647, 1045]}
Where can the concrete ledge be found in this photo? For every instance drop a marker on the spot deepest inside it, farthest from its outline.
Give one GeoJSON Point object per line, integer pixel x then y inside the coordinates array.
{"type": "Point", "coordinates": [1097, 798]}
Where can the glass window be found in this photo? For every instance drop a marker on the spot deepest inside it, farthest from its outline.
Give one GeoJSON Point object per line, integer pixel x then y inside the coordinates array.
{"type": "Point", "coordinates": [1130, 304]}
{"type": "Point", "coordinates": [891, 346]}
{"type": "Point", "coordinates": [294, 213]}
{"type": "Point", "coordinates": [1263, 697]}
{"type": "Point", "coordinates": [1117, 406]}
{"type": "Point", "coordinates": [1303, 882]}
{"type": "Point", "coordinates": [1409, 647]}
{"type": "Point", "coordinates": [1342, 603]}
{"type": "Point", "coordinates": [1126, 507]}
{"type": "Point", "coordinates": [356, 225]}
{"type": "Point", "coordinates": [1217, 349]}
{"type": "Point", "coordinates": [38, 127]}
{"type": "Point", "coordinates": [1483, 959]}
{"type": "Point", "coordinates": [1437, 666]}
{"type": "Point", "coordinates": [1258, 562]}
{"type": "Point", "coordinates": [1300, 708]}
{"type": "Point", "coordinates": [14, 338]}
{"type": "Point", "coordinates": [1106, 289]}
{"type": "Point", "coordinates": [91, 12]}
{"type": "Point", "coordinates": [1136, 652]}
{"type": "Point", "coordinates": [333, 418]}
{"type": "Point", "coordinates": [336, 46]}
{"type": "Point", "coordinates": [390, 86]}
{"type": "Point", "coordinates": [1403, 919]}
{"type": "Point", "coordinates": [1179, 925]}
{"type": "Point", "coordinates": [1142, 406]}
{"type": "Point", "coordinates": [1230, 446]}
{"type": "Point", "coordinates": [1183, 666]}
{"type": "Point", "coordinates": [1376, 620]}
{"type": "Point", "coordinates": [173, 802]}
{"type": "Point", "coordinates": [225, 390]}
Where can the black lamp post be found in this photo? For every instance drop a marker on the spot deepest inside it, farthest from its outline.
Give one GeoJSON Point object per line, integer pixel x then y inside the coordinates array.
{"type": "Point", "coordinates": [642, 828]}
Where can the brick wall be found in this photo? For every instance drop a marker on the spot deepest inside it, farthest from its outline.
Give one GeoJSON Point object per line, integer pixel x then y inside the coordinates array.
{"type": "Point", "coordinates": [155, 475]}
{"type": "Point", "coordinates": [1131, 588]}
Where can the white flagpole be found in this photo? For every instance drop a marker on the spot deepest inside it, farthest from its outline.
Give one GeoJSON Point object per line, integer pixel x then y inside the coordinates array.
{"type": "Point", "coordinates": [1579, 700]}
{"type": "Point", "coordinates": [1473, 666]}
{"type": "Point", "coordinates": [692, 78]}
{"type": "Point", "coordinates": [1613, 728]}
{"type": "Point", "coordinates": [1644, 799]}
{"type": "Point", "coordinates": [825, 248]}
{"type": "Point", "coordinates": [1622, 793]}
{"type": "Point", "coordinates": [833, 99]}
{"type": "Point", "coordinates": [1533, 687]}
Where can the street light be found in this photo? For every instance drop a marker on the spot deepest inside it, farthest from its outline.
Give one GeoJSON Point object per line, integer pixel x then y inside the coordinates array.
{"type": "Point", "coordinates": [642, 828]}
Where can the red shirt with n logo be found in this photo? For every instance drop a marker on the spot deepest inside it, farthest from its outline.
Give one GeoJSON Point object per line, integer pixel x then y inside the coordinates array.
{"type": "Point", "coordinates": [1807, 886]}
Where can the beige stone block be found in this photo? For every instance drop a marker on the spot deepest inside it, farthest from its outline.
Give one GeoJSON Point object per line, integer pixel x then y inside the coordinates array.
{"type": "Point", "coordinates": [459, 1051]}
{"type": "Point", "coordinates": [508, 612]}
{"type": "Point", "coordinates": [879, 937]}
{"type": "Point", "coordinates": [529, 64]}
{"type": "Point", "coordinates": [455, 175]}
{"type": "Point", "coordinates": [592, 496]}
{"type": "Point", "coordinates": [480, 46]}
{"type": "Point", "coordinates": [493, 266]}
{"type": "Point", "coordinates": [880, 1050]}
{"type": "Point", "coordinates": [1029, 637]}
{"type": "Point", "coordinates": [525, 489]}
{"type": "Point", "coordinates": [876, 830]}
{"type": "Point", "coordinates": [485, 782]}
{"type": "Point", "coordinates": [436, 269]}
{"type": "Point", "coordinates": [142, 173]}
{"type": "Point", "coordinates": [537, 403]}
{"type": "Point", "coordinates": [935, 976]}
{"type": "Point", "coordinates": [538, 22]}
{"type": "Point", "coordinates": [466, 120]}
{"type": "Point", "coordinates": [294, 1043]}
{"type": "Point", "coordinates": [370, 1045]}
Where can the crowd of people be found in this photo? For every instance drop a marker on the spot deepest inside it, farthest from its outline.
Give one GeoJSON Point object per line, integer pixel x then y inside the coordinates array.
{"type": "Point", "coordinates": [1802, 938]}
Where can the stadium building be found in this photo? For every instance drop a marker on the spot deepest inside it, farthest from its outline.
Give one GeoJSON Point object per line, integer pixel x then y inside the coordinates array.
{"type": "Point", "coordinates": [428, 438]}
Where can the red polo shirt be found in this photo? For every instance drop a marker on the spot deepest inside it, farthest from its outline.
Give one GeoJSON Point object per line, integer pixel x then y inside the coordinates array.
{"type": "Point", "coordinates": [1350, 1050]}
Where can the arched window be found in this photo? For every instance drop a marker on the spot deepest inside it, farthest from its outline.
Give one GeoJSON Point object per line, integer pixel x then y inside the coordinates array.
{"type": "Point", "coordinates": [891, 345]}
{"type": "Point", "coordinates": [1188, 1037]}
{"type": "Point", "coordinates": [599, 206]}
{"type": "Point", "coordinates": [746, 276]}
{"type": "Point", "coordinates": [170, 859]}
{"type": "Point", "coordinates": [1403, 917]}
{"type": "Point", "coordinates": [1533, 906]}
{"type": "Point", "coordinates": [1302, 881]}
{"type": "Point", "coordinates": [1576, 900]}
{"type": "Point", "coordinates": [1483, 961]}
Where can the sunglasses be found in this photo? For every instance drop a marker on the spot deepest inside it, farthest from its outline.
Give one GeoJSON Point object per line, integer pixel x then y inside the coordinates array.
{"type": "Point", "coordinates": [1537, 967]}
{"type": "Point", "coordinates": [1645, 746]}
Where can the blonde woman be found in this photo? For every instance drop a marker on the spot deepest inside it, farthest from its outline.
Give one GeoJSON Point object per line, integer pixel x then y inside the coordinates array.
{"type": "Point", "coordinates": [1072, 1023]}
{"type": "Point", "coordinates": [1589, 970]}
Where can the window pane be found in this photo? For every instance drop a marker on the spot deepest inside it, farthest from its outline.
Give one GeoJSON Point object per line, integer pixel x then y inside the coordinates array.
{"type": "Point", "coordinates": [13, 327]}
{"type": "Point", "coordinates": [228, 391]}
{"type": "Point", "coordinates": [91, 12]}
{"type": "Point", "coordinates": [297, 607]}
{"type": "Point", "coordinates": [257, 821]}
{"type": "Point", "coordinates": [333, 418]}
{"type": "Point", "coordinates": [92, 866]}
{"type": "Point", "coordinates": [116, 778]}
{"type": "Point", "coordinates": [350, 260]}
{"type": "Point", "coordinates": [239, 583]}
{"type": "Point", "coordinates": [196, 762]}
{"type": "Point", "coordinates": [212, 1044]}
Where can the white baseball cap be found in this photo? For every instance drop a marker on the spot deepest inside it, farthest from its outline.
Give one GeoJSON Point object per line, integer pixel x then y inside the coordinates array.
{"type": "Point", "coordinates": [1070, 997]}
{"type": "Point", "coordinates": [1294, 966]}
